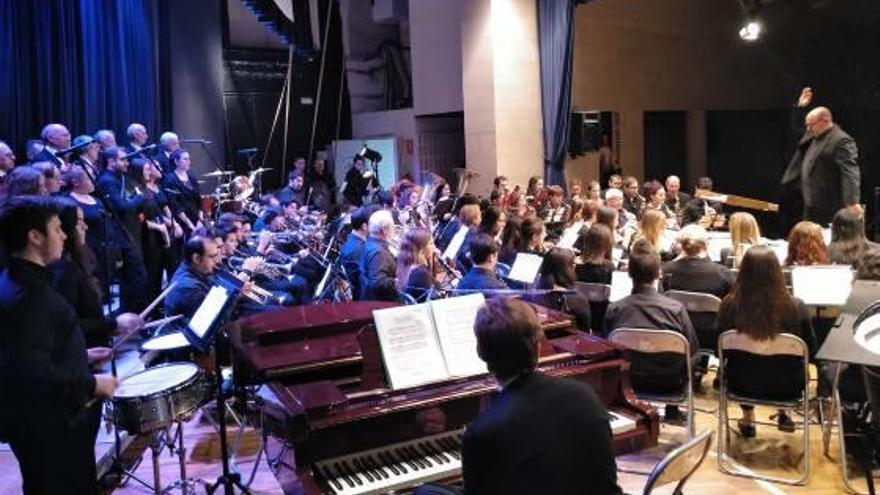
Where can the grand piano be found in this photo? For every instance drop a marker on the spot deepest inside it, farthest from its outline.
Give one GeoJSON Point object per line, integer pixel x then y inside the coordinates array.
{"type": "Point", "coordinates": [351, 434]}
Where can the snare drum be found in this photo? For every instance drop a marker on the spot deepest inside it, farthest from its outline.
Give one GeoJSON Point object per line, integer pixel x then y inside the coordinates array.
{"type": "Point", "coordinates": [156, 397]}
{"type": "Point", "coordinates": [169, 348]}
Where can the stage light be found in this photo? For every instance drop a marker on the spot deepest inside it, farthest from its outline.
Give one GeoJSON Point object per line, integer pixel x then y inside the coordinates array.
{"type": "Point", "coordinates": [751, 31]}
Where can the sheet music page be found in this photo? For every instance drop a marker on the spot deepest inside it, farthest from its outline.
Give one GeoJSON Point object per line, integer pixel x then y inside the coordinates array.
{"type": "Point", "coordinates": [779, 248]}
{"type": "Point", "coordinates": [570, 235]}
{"type": "Point", "coordinates": [525, 268]}
{"type": "Point", "coordinates": [201, 321]}
{"type": "Point", "coordinates": [670, 239]}
{"type": "Point", "coordinates": [409, 345]}
{"type": "Point", "coordinates": [621, 286]}
{"type": "Point", "coordinates": [616, 255]}
{"type": "Point", "coordinates": [827, 285]}
{"type": "Point", "coordinates": [454, 318]}
{"type": "Point", "coordinates": [455, 244]}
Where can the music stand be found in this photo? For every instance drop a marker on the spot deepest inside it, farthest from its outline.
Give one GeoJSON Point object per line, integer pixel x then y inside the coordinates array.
{"type": "Point", "coordinates": [205, 329]}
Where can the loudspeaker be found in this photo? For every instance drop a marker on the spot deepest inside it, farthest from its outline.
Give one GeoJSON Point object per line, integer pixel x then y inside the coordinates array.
{"type": "Point", "coordinates": [585, 133]}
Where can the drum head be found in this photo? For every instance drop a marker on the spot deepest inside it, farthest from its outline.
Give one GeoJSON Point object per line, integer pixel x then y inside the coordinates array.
{"type": "Point", "coordinates": [168, 342]}
{"type": "Point", "coordinates": [155, 380]}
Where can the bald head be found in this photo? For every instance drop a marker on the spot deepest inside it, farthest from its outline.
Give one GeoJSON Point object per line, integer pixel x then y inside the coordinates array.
{"type": "Point", "coordinates": [818, 121]}
{"type": "Point", "coordinates": [56, 135]}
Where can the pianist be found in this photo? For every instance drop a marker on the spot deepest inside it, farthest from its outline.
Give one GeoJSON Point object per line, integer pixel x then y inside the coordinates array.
{"type": "Point", "coordinates": [541, 434]}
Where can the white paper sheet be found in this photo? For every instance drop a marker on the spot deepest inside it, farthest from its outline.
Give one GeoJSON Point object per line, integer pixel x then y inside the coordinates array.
{"type": "Point", "coordinates": [570, 236]}
{"type": "Point", "coordinates": [455, 319]}
{"type": "Point", "coordinates": [827, 285]}
{"type": "Point", "coordinates": [409, 345]}
{"type": "Point", "coordinates": [525, 268]}
{"type": "Point", "coordinates": [621, 286]}
{"type": "Point", "coordinates": [455, 244]}
{"type": "Point", "coordinates": [201, 321]}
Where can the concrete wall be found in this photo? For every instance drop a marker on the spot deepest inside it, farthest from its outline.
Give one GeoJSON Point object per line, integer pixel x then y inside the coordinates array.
{"type": "Point", "coordinates": [400, 123]}
{"type": "Point", "coordinates": [436, 62]}
{"type": "Point", "coordinates": [633, 56]}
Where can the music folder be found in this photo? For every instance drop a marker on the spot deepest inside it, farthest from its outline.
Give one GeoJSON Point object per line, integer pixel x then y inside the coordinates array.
{"type": "Point", "coordinates": [213, 311]}
{"type": "Point", "coordinates": [525, 268]}
{"type": "Point", "coordinates": [429, 342]}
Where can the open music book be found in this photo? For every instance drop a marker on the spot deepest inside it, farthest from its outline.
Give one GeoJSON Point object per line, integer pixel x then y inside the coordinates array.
{"type": "Point", "coordinates": [525, 268]}
{"type": "Point", "coordinates": [822, 285]}
{"type": "Point", "coordinates": [429, 342]}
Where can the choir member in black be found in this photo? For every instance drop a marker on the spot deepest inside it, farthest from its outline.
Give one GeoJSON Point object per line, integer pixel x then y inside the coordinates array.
{"type": "Point", "coordinates": [55, 138]}
{"type": "Point", "coordinates": [106, 138]}
{"type": "Point", "coordinates": [51, 177]}
{"type": "Point", "coordinates": [168, 144]}
{"type": "Point", "coordinates": [183, 190]}
{"type": "Point", "coordinates": [555, 213]}
{"type": "Point", "coordinates": [161, 235]}
{"type": "Point", "coordinates": [675, 198]}
{"type": "Point", "coordinates": [103, 235]}
{"type": "Point", "coordinates": [359, 182]}
{"type": "Point", "coordinates": [378, 266]}
{"type": "Point", "coordinates": [73, 279]}
{"type": "Point", "coordinates": [321, 186]}
{"type": "Point", "coordinates": [87, 157]}
{"type": "Point", "coordinates": [7, 163]}
{"type": "Point", "coordinates": [514, 447]}
{"type": "Point", "coordinates": [695, 272]}
{"type": "Point", "coordinates": [596, 247]}
{"type": "Point", "coordinates": [848, 241]}
{"type": "Point", "coordinates": [33, 147]}
{"type": "Point", "coordinates": [26, 181]}
{"type": "Point", "coordinates": [125, 204]}
{"type": "Point", "coordinates": [137, 137]}
{"type": "Point", "coordinates": [294, 191]}
{"type": "Point", "coordinates": [557, 274]}
{"type": "Point", "coordinates": [45, 380]}
{"type": "Point", "coordinates": [760, 306]}
{"type": "Point", "coordinates": [647, 308]}
{"type": "Point", "coordinates": [482, 276]}
{"type": "Point", "coordinates": [353, 250]}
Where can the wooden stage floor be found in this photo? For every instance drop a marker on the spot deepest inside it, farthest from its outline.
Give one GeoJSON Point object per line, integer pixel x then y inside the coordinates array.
{"type": "Point", "coordinates": [771, 451]}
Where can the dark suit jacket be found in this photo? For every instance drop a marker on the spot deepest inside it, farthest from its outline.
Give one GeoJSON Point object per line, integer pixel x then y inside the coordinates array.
{"type": "Point", "coordinates": [164, 161]}
{"type": "Point", "coordinates": [540, 435]}
{"type": "Point", "coordinates": [478, 278]}
{"type": "Point", "coordinates": [697, 275]}
{"type": "Point", "coordinates": [831, 180]}
{"type": "Point", "coordinates": [378, 272]}
{"type": "Point", "coordinates": [677, 204]}
{"type": "Point", "coordinates": [47, 156]}
{"type": "Point", "coordinates": [350, 256]}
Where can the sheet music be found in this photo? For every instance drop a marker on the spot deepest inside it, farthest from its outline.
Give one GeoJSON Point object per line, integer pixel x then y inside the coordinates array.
{"type": "Point", "coordinates": [826, 285]}
{"type": "Point", "coordinates": [409, 345]}
{"type": "Point", "coordinates": [525, 268]}
{"type": "Point", "coordinates": [670, 239]}
{"type": "Point", "coordinates": [616, 255]}
{"type": "Point", "coordinates": [455, 319]}
{"type": "Point", "coordinates": [201, 321]}
{"type": "Point", "coordinates": [621, 286]}
{"type": "Point", "coordinates": [779, 248]}
{"type": "Point", "coordinates": [455, 244]}
{"type": "Point", "coordinates": [570, 235]}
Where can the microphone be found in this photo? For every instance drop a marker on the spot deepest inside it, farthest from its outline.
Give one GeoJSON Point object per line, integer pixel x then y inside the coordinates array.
{"type": "Point", "coordinates": [194, 141]}
{"type": "Point", "coordinates": [73, 148]}
{"type": "Point", "coordinates": [140, 151]}
{"type": "Point", "coordinates": [248, 151]}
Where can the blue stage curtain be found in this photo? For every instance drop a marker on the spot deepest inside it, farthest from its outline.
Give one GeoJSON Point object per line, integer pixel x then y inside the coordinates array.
{"type": "Point", "coordinates": [87, 64]}
{"type": "Point", "coordinates": [555, 28]}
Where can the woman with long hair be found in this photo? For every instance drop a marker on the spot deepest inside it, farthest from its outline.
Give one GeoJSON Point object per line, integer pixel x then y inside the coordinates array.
{"type": "Point", "coordinates": [557, 273]}
{"type": "Point", "coordinates": [596, 264]}
{"type": "Point", "coordinates": [655, 199]}
{"type": "Point", "coordinates": [531, 236]}
{"type": "Point", "coordinates": [415, 263]}
{"type": "Point", "coordinates": [806, 246]}
{"type": "Point", "coordinates": [102, 235]}
{"type": "Point", "coordinates": [321, 185]}
{"type": "Point", "coordinates": [760, 306]}
{"type": "Point", "coordinates": [652, 227]}
{"type": "Point", "coordinates": [183, 189]}
{"type": "Point", "coordinates": [848, 241]}
{"type": "Point", "coordinates": [161, 236]}
{"type": "Point", "coordinates": [744, 233]}
{"type": "Point", "coordinates": [510, 237]}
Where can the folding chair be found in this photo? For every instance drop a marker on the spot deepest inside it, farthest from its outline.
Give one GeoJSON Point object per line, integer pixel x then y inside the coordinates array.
{"type": "Point", "coordinates": [782, 345]}
{"type": "Point", "coordinates": [680, 464]}
{"type": "Point", "coordinates": [651, 341]}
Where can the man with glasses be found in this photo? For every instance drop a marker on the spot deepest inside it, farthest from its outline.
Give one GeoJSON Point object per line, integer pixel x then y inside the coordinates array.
{"type": "Point", "coordinates": [824, 172]}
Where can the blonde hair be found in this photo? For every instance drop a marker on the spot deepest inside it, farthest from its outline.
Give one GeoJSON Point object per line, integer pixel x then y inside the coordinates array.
{"type": "Point", "coordinates": [653, 225]}
{"type": "Point", "coordinates": [469, 215]}
{"type": "Point", "coordinates": [743, 230]}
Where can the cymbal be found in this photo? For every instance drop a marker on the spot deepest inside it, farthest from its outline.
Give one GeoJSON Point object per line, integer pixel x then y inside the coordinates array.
{"type": "Point", "coordinates": [217, 173]}
{"type": "Point", "coordinates": [261, 170]}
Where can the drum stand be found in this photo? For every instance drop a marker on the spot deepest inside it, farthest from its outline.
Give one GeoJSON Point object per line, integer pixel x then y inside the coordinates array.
{"type": "Point", "coordinates": [158, 441]}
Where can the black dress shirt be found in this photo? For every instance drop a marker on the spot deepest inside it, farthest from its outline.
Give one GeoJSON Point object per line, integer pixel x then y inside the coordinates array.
{"type": "Point", "coordinates": [183, 196]}
{"type": "Point", "coordinates": [646, 308]}
{"type": "Point", "coordinates": [695, 274]}
{"type": "Point", "coordinates": [120, 194]}
{"type": "Point", "coordinates": [540, 435]}
{"type": "Point", "coordinates": [190, 291]}
{"type": "Point", "coordinates": [594, 273]}
{"type": "Point", "coordinates": [71, 282]}
{"type": "Point", "coordinates": [378, 272]}
{"type": "Point", "coordinates": [44, 373]}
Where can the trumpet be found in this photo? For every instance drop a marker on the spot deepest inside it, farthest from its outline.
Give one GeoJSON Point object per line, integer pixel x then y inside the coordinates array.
{"type": "Point", "coordinates": [256, 293]}
{"type": "Point", "coordinates": [271, 270]}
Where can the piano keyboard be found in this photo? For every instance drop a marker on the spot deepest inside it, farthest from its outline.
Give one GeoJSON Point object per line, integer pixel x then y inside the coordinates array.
{"type": "Point", "coordinates": [408, 464]}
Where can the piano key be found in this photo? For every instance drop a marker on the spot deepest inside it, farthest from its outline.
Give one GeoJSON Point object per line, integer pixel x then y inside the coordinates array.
{"type": "Point", "coordinates": [361, 469]}
{"type": "Point", "coordinates": [338, 469]}
{"type": "Point", "coordinates": [418, 458]}
{"type": "Point", "coordinates": [427, 447]}
{"type": "Point", "coordinates": [406, 457]}
{"type": "Point", "coordinates": [371, 461]}
{"type": "Point", "coordinates": [440, 451]}
{"type": "Point", "coordinates": [391, 461]}
{"type": "Point", "coordinates": [350, 472]}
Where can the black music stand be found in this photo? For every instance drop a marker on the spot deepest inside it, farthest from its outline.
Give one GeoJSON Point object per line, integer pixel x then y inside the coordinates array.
{"type": "Point", "coordinates": [205, 329]}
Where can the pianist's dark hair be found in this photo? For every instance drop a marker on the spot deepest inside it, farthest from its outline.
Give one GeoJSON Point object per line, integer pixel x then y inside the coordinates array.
{"type": "Point", "coordinates": [21, 214]}
{"type": "Point", "coordinates": [507, 332]}
{"type": "Point", "coordinates": [644, 263]}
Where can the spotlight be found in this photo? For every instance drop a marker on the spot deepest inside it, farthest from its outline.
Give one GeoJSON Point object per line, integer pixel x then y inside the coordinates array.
{"type": "Point", "coordinates": [751, 31]}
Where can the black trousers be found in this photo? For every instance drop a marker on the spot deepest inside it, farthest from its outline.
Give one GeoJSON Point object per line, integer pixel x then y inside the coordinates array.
{"type": "Point", "coordinates": [133, 284]}
{"type": "Point", "coordinates": [56, 457]}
